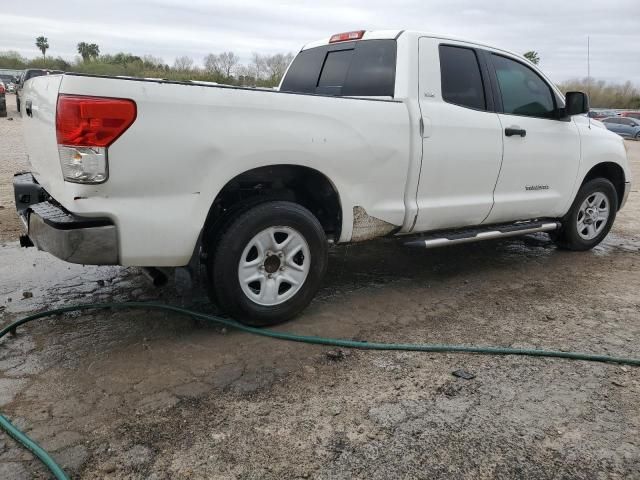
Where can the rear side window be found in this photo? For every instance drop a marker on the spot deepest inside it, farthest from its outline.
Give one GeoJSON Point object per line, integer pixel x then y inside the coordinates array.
{"type": "Point", "coordinates": [364, 68]}
{"type": "Point", "coordinates": [461, 79]}
{"type": "Point", "coordinates": [523, 91]}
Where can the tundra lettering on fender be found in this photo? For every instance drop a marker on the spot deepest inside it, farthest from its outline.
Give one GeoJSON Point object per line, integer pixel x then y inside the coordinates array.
{"type": "Point", "coordinates": [370, 134]}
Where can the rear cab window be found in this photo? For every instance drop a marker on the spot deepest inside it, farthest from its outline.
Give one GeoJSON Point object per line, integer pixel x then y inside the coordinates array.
{"type": "Point", "coordinates": [364, 68]}
{"type": "Point", "coordinates": [34, 73]}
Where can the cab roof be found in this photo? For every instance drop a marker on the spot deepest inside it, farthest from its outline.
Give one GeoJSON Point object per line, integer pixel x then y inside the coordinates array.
{"type": "Point", "coordinates": [395, 34]}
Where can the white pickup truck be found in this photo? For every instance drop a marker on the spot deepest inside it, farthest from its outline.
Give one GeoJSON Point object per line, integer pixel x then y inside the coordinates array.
{"type": "Point", "coordinates": [370, 134]}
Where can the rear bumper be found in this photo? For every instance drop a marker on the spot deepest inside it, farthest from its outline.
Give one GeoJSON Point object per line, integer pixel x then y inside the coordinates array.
{"type": "Point", "coordinates": [51, 228]}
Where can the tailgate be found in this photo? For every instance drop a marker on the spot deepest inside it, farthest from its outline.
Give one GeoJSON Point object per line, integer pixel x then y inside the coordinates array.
{"type": "Point", "coordinates": [38, 109]}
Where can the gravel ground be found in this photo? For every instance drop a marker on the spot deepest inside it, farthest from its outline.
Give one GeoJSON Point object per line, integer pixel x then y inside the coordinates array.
{"type": "Point", "coordinates": [12, 159]}
{"type": "Point", "coordinates": [154, 396]}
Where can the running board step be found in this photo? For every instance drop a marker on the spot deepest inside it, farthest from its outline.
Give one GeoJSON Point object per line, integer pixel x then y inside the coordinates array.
{"type": "Point", "coordinates": [490, 232]}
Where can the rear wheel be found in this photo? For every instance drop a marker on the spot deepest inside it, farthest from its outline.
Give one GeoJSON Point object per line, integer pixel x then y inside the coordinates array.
{"type": "Point", "coordinates": [590, 217]}
{"type": "Point", "coordinates": [268, 263]}
{"type": "Point", "coordinates": [18, 103]}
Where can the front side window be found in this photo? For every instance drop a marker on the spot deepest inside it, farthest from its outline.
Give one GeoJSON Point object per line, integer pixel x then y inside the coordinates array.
{"type": "Point", "coordinates": [523, 91]}
{"type": "Point", "coordinates": [461, 79]}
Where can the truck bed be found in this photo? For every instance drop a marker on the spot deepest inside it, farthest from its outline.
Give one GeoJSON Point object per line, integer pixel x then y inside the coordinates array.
{"type": "Point", "coordinates": [190, 139]}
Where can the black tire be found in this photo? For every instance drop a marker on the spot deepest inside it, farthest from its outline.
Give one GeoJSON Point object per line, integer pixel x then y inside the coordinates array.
{"type": "Point", "coordinates": [569, 237]}
{"type": "Point", "coordinates": [223, 265]}
{"type": "Point", "coordinates": [18, 104]}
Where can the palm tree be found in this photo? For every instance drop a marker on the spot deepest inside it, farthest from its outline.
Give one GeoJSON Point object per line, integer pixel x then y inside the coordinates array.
{"type": "Point", "coordinates": [43, 45]}
{"type": "Point", "coordinates": [94, 51]}
{"type": "Point", "coordinates": [532, 56]}
{"type": "Point", "coordinates": [88, 51]}
{"type": "Point", "coordinates": [83, 51]}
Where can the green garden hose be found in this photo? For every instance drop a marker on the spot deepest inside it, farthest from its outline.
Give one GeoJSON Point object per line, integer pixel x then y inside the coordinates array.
{"type": "Point", "coordinates": [32, 446]}
{"type": "Point", "coordinates": [334, 342]}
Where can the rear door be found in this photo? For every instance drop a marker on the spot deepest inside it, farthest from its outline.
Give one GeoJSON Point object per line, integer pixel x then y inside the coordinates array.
{"type": "Point", "coordinates": [461, 137]}
{"type": "Point", "coordinates": [541, 152]}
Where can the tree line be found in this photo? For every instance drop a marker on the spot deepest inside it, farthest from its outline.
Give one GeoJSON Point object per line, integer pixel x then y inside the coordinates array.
{"type": "Point", "coordinates": [262, 70]}
{"type": "Point", "coordinates": [604, 94]}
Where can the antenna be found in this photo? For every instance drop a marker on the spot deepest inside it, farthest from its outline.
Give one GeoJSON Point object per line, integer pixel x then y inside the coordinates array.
{"type": "Point", "coordinates": [588, 65]}
{"type": "Point", "coordinates": [589, 75]}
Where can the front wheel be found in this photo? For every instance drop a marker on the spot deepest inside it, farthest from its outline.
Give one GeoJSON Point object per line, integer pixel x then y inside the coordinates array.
{"type": "Point", "coordinates": [269, 263]}
{"type": "Point", "coordinates": [590, 217]}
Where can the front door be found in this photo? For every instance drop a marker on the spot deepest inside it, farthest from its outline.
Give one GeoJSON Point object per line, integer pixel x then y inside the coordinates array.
{"type": "Point", "coordinates": [461, 137]}
{"type": "Point", "coordinates": [541, 152]}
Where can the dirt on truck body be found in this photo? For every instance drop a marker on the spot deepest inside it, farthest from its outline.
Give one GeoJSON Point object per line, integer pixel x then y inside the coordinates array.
{"type": "Point", "coordinates": [140, 395]}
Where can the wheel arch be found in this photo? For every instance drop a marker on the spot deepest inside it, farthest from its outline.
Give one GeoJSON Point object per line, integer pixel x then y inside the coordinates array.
{"type": "Point", "coordinates": [296, 183]}
{"type": "Point", "coordinates": [612, 172]}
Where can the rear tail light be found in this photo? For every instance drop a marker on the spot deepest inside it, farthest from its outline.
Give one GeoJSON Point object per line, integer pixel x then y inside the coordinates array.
{"type": "Point", "coordinates": [85, 127]}
{"type": "Point", "coordinates": [2, 89]}
{"type": "Point", "coordinates": [346, 36]}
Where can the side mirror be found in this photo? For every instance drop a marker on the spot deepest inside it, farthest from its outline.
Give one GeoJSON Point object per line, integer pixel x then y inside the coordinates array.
{"type": "Point", "coordinates": [576, 103]}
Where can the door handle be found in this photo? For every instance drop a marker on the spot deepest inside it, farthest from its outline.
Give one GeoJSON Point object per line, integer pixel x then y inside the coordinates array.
{"type": "Point", "coordinates": [511, 131]}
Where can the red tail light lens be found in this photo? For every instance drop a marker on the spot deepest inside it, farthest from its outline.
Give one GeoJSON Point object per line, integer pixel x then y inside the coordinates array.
{"type": "Point", "coordinates": [2, 89]}
{"type": "Point", "coordinates": [92, 121]}
{"type": "Point", "coordinates": [346, 36]}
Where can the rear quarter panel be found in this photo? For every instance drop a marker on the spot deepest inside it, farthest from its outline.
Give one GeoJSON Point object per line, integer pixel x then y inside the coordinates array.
{"type": "Point", "coordinates": [188, 141]}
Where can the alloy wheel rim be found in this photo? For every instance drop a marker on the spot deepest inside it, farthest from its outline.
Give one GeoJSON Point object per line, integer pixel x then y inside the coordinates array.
{"type": "Point", "coordinates": [274, 265]}
{"type": "Point", "coordinates": [593, 216]}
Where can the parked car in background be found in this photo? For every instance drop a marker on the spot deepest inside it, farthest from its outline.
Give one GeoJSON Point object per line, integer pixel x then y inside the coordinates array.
{"type": "Point", "coordinates": [3, 101]}
{"type": "Point", "coordinates": [9, 82]}
{"type": "Point", "coordinates": [600, 114]}
{"type": "Point", "coordinates": [635, 115]}
{"type": "Point", "coordinates": [624, 126]}
{"type": "Point", "coordinates": [28, 74]}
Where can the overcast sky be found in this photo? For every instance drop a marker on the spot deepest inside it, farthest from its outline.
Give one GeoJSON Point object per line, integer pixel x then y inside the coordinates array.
{"type": "Point", "coordinates": [168, 28]}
